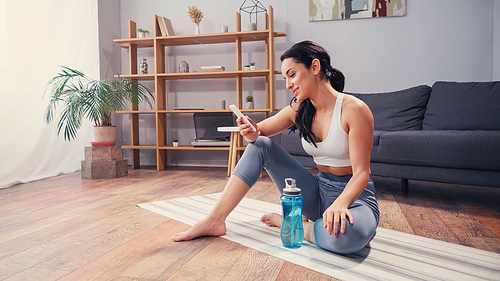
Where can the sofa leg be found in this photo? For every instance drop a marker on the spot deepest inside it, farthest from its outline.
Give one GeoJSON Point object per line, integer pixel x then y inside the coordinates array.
{"type": "Point", "coordinates": [404, 185]}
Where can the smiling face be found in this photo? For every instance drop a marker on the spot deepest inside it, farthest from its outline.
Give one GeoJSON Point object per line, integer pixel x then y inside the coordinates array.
{"type": "Point", "coordinates": [300, 80]}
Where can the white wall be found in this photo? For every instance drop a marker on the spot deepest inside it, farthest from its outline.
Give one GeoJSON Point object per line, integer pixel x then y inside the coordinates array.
{"type": "Point", "coordinates": [36, 38]}
{"type": "Point", "coordinates": [436, 40]}
{"type": "Point", "coordinates": [496, 40]}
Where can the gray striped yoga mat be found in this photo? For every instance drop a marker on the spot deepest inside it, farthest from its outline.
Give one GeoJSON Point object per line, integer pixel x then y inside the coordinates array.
{"type": "Point", "coordinates": [391, 255]}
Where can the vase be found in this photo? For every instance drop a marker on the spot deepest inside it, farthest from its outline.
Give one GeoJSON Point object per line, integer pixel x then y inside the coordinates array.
{"type": "Point", "coordinates": [197, 30]}
{"type": "Point", "coordinates": [104, 136]}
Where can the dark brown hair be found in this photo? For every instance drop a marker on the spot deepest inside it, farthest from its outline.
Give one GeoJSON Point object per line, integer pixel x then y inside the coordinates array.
{"type": "Point", "coordinates": [305, 52]}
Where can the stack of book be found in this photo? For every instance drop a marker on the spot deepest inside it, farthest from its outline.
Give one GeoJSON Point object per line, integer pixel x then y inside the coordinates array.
{"type": "Point", "coordinates": [165, 26]}
{"type": "Point", "coordinates": [212, 68]}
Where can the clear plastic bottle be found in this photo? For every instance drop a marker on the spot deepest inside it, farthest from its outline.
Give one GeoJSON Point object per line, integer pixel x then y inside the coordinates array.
{"type": "Point", "coordinates": [143, 66]}
{"type": "Point", "coordinates": [292, 231]}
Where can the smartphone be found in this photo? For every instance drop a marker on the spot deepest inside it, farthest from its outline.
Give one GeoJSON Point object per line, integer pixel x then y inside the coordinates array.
{"type": "Point", "coordinates": [238, 113]}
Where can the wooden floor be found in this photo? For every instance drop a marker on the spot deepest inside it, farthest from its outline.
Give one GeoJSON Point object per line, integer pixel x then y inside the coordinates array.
{"type": "Point", "coordinates": [68, 228]}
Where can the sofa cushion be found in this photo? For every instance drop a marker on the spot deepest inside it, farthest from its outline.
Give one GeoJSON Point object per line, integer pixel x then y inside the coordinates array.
{"type": "Point", "coordinates": [291, 142]}
{"type": "Point", "coordinates": [376, 140]}
{"type": "Point", "coordinates": [400, 110]}
{"type": "Point", "coordinates": [376, 137]}
{"type": "Point", "coordinates": [477, 150]}
{"type": "Point", "coordinates": [463, 106]}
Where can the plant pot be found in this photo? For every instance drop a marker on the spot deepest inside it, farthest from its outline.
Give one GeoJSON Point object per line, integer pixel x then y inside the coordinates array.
{"type": "Point", "coordinates": [175, 144]}
{"type": "Point", "coordinates": [247, 68]}
{"type": "Point", "coordinates": [104, 136]}
{"type": "Point", "coordinates": [249, 105]}
{"type": "Point", "coordinates": [141, 34]}
{"type": "Point", "coordinates": [252, 67]}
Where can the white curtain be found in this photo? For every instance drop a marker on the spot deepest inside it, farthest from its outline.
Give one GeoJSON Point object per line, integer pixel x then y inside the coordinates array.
{"type": "Point", "coordinates": [36, 38]}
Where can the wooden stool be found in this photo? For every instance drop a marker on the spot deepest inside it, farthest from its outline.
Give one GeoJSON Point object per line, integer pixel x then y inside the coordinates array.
{"type": "Point", "coordinates": [233, 147]}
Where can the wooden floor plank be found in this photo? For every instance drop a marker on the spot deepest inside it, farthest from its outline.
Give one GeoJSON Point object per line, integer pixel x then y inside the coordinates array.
{"type": "Point", "coordinates": [419, 214]}
{"type": "Point", "coordinates": [77, 229]}
{"type": "Point", "coordinates": [165, 261]}
{"type": "Point", "coordinates": [291, 272]}
{"type": "Point", "coordinates": [86, 252]}
{"type": "Point", "coordinates": [37, 274]}
{"type": "Point", "coordinates": [54, 247]}
{"type": "Point", "coordinates": [391, 215]}
{"type": "Point", "coordinates": [211, 263]}
{"type": "Point", "coordinates": [254, 265]}
{"type": "Point", "coordinates": [132, 252]}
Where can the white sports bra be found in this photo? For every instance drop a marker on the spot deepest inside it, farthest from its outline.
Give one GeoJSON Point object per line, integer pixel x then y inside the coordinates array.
{"type": "Point", "coordinates": [333, 151]}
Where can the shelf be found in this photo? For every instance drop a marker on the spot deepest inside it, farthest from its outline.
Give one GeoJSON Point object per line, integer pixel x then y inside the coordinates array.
{"type": "Point", "coordinates": [208, 110]}
{"type": "Point", "coordinates": [140, 42]}
{"type": "Point", "coordinates": [210, 75]}
{"type": "Point", "coordinates": [138, 76]}
{"type": "Point", "coordinates": [201, 75]}
{"type": "Point", "coordinates": [188, 111]}
{"type": "Point", "coordinates": [136, 111]}
{"type": "Point", "coordinates": [190, 147]}
{"type": "Point", "coordinates": [138, 146]}
{"type": "Point", "coordinates": [180, 147]}
{"type": "Point", "coordinates": [211, 38]}
{"type": "Point", "coordinates": [160, 113]}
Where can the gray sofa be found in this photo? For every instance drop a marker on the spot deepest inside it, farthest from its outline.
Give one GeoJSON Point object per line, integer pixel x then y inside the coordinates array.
{"type": "Point", "coordinates": [448, 133]}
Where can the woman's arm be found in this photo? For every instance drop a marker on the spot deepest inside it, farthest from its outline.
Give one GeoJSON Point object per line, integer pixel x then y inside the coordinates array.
{"type": "Point", "coordinates": [359, 120]}
{"type": "Point", "coordinates": [270, 126]}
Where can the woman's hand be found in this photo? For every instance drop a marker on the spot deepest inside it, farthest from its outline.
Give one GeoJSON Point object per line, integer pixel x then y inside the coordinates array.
{"type": "Point", "coordinates": [246, 130]}
{"type": "Point", "coordinates": [333, 215]}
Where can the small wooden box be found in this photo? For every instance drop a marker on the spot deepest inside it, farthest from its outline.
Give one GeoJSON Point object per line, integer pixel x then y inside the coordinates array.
{"type": "Point", "coordinates": [103, 163]}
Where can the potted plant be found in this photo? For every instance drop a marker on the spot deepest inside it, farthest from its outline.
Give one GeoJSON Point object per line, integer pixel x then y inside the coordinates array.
{"type": "Point", "coordinates": [249, 104]}
{"type": "Point", "coordinates": [142, 32]}
{"type": "Point", "coordinates": [252, 66]}
{"type": "Point", "coordinates": [247, 67]}
{"type": "Point", "coordinates": [93, 99]}
{"type": "Point", "coordinates": [175, 143]}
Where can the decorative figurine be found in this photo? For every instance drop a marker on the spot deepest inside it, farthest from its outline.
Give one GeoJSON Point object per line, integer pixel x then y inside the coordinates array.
{"type": "Point", "coordinates": [143, 66]}
{"type": "Point", "coordinates": [183, 67]}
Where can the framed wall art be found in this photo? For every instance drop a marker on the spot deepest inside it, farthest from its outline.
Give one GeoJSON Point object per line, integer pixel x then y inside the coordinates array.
{"type": "Point", "coordinates": [320, 10]}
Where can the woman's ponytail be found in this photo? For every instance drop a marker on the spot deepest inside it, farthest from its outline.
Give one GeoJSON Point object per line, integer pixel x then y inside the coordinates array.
{"type": "Point", "coordinates": [337, 79]}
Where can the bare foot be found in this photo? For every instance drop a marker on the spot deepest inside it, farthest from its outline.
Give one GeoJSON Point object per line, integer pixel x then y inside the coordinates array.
{"type": "Point", "coordinates": [205, 227]}
{"type": "Point", "coordinates": [271, 219]}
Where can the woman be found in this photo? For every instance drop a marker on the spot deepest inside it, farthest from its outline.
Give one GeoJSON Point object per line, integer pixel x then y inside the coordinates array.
{"type": "Point", "coordinates": [340, 208]}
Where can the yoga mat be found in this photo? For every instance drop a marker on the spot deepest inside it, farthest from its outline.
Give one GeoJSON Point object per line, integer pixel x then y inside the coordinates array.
{"type": "Point", "coordinates": [391, 255]}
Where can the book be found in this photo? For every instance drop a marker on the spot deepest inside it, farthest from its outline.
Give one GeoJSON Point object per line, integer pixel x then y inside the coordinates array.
{"type": "Point", "coordinates": [212, 68]}
{"type": "Point", "coordinates": [168, 27]}
{"type": "Point", "coordinates": [162, 27]}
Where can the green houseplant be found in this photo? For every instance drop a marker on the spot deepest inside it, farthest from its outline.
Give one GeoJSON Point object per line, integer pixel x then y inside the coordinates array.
{"type": "Point", "coordinates": [93, 99]}
{"type": "Point", "coordinates": [142, 32]}
{"type": "Point", "coordinates": [249, 103]}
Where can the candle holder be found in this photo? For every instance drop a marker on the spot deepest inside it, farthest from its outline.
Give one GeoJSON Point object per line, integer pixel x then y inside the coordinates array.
{"type": "Point", "coordinates": [252, 8]}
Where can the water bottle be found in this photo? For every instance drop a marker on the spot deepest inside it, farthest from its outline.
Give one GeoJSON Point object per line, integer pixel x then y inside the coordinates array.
{"type": "Point", "coordinates": [292, 231]}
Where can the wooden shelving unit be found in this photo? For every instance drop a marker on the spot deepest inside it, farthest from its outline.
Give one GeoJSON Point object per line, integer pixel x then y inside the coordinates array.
{"type": "Point", "coordinates": [159, 43]}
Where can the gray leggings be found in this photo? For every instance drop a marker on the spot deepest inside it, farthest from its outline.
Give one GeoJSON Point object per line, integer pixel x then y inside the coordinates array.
{"type": "Point", "coordinates": [318, 192]}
